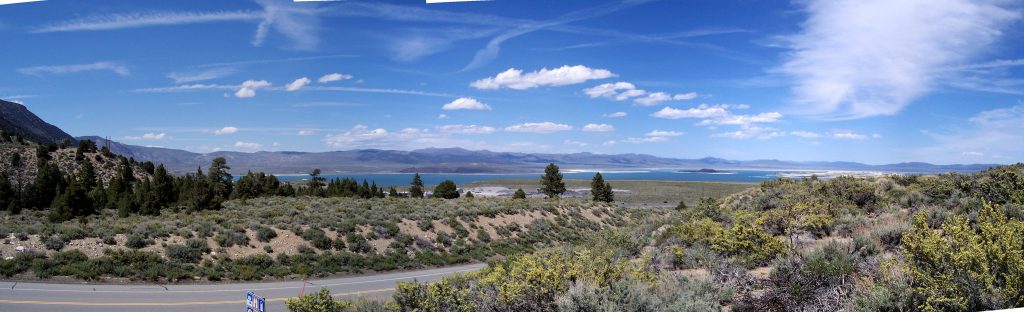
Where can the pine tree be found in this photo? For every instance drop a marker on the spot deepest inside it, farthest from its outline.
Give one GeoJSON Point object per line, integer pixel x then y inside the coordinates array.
{"type": "Point", "coordinates": [7, 194]}
{"type": "Point", "coordinates": [551, 183]}
{"type": "Point", "coordinates": [393, 192]}
{"type": "Point", "coordinates": [469, 194]}
{"type": "Point", "coordinates": [315, 182]}
{"type": "Point", "coordinates": [447, 190]}
{"type": "Point", "coordinates": [163, 187]}
{"type": "Point", "coordinates": [609, 194]}
{"type": "Point", "coordinates": [87, 176]}
{"type": "Point", "coordinates": [220, 179]}
{"type": "Point", "coordinates": [416, 190]}
{"type": "Point", "coordinates": [597, 192]}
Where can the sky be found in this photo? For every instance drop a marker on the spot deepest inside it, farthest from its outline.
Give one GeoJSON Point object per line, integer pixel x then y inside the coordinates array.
{"type": "Point", "coordinates": [873, 81]}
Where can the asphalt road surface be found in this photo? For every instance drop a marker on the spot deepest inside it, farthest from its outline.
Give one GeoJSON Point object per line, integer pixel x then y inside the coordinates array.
{"type": "Point", "coordinates": [16, 296]}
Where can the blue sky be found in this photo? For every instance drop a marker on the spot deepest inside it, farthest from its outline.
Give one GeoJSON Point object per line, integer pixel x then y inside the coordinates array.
{"type": "Point", "coordinates": [873, 81]}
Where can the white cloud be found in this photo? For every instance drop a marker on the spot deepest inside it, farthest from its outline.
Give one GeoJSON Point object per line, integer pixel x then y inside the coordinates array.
{"type": "Point", "coordinates": [972, 154]}
{"type": "Point", "coordinates": [466, 129]}
{"type": "Point", "coordinates": [653, 98]}
{"type": "Point", "coordinates": [702, 111]}
{"type": "Point", "coordinates": [685, 96]}
{"type": "Point", "coordinates": [297, 84]}
{"type": "Point", "coordinates": [650, 139]}
{"type": "Point", "coordinates": [742, 119]}
{"type": "Point", "coordinates": [664, 133]}
{"type": "Point", "coordinates": [565, 75]}
{"type": "Point", "coordinates": [226, 130]}
{"type": "Point", "coordinates": [359, 136]}
{"type": "Point", "coordinates": [847, 135]}
{"type": "Point", "coordinates": [148, 136]}
{"type": "Point", "coordinates": [466, 103]}
{"type": "Point", "coordinates": [248, 146]}
{"type": "Point", "coordinates": [249, 87]}
{"type": "Point", "coordinates": [619, 91]}
{"type": "Point", "coordinates": [334, 77]}
{"type": "Point", "coordinates": [615, 115]}
{"type": "Point", "coordinates": [747, 132]}
{"type": "Point", "coordinates": [860, 58]}
{"type": "Point", "coordinates": [305, 132]}
{"type": "Point", "coordinates": [538, 127]}
{"type": "Point", "coordinates": [598, 128]}
{"type": "Point", "coordinates": [442, 116]}
{"type": "Point", "coordinates": [805, 134]}
{"type": "Point", "coordinates": [115, 67]}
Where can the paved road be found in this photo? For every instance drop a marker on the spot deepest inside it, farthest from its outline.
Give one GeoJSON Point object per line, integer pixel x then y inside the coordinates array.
{"type": "Point", "coordinates": [211, 297]}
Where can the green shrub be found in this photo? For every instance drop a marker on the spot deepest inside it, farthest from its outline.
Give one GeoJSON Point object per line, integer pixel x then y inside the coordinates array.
{"type": "Point", "coordinates": [807, 282]}
{"type": "Point", "coordinates": [321, 301]}
{"type": "Point", "coordinates": [425, 224]}
{"type": "Point", "coordinates": [751, 245]}
{"type": "Point", "coordinates": [182, 254]}
{"type": "Point", "coordinates": [358, 244]}
{"type": "Point", "coordinates": [891, 235]}
{"type": "Point", "coordinates": [965, 267]}
{"type": "Point", "coordinates": [265, 234]}
{"type": "Point", "coordinates": [136, 241]}
{"type": "Point", "coordinates": [54, 243]}
{"type": "Point", "coordinates": [318, 238]}
{"type": "Point", "coordinates": [483, 236]}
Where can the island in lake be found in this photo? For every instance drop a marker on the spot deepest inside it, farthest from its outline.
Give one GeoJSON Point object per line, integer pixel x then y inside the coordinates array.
{"type": "Point", "coordinates": [706, 170]}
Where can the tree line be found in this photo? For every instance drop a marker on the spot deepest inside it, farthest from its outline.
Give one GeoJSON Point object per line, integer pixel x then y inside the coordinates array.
{"type": "Point", "coordinates": [78, 193]}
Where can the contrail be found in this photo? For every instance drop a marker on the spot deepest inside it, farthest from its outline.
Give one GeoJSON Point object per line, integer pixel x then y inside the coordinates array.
{"type": "Point", "coordinates": [6, 2]}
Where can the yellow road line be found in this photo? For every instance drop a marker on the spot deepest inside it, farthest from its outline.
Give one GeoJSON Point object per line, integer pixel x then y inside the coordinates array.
{"type": "Point", "coordinates": [185, 303]}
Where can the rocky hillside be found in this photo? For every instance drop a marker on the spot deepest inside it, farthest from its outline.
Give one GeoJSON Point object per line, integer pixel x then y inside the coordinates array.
{"type": "Point", "coordinates": [15, 118]}
{"type": "Point", "coordinates": [22, 168]}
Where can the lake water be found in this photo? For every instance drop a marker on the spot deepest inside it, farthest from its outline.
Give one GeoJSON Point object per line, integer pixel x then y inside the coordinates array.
{"type": "Point", "coordinates": [387, 179]}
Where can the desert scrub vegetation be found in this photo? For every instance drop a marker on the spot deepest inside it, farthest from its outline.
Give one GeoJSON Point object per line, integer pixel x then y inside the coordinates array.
{"type": "Point", "coordinates": [283, 237]}
{"type": "Point", "coordinates": [948, 242]}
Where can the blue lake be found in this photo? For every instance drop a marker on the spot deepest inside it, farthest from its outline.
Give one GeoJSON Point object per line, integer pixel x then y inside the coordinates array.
{"type": "Point", "coordinates": [387, 179]}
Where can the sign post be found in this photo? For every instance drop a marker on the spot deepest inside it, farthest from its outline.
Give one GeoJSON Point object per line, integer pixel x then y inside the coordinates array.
{"type": "Point", "coordinates": [254, 303]}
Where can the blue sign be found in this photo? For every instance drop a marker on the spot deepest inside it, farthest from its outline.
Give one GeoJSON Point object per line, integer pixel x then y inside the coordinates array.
{"type": "Point", "coordinates": [254, 303]}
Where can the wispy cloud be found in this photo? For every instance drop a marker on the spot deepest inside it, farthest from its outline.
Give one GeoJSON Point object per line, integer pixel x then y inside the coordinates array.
{"type": "Point", "coordinates": [115, 67]}
{"type": "Point", "coordinates": [493, 47]}
{"type": "Point", "coordinates": [384, 90]}
{"type": "Point", "coordinates": [201, 74]}
{"type": "Point", "coordinates": [993, 132]}
{"type": "Point", "coordinates": [466, 129]}
{"type": "Point", "coordinates": [615, 115]}
{"type": "Point", "coordinates": [857, 58]}
{"type": "Point", "coordinates": [297, 22]}
{"type": "Point", "coordinates": [146, 19]}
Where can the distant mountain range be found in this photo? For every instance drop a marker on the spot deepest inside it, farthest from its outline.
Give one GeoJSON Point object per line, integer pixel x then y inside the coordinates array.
{"type": "Point", "coordinates": [16, 118]}
{"type": "Point", "coordinates": [457, 160]}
